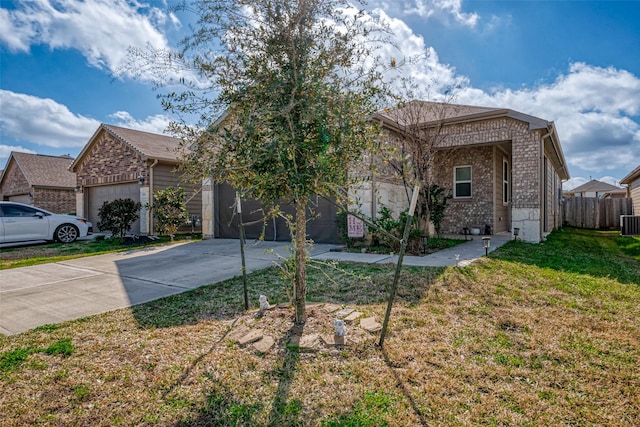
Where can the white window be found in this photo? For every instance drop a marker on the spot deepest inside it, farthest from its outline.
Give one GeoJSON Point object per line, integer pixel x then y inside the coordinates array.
{"type": "Point", "coordinates": [506, 195]}
{"type": "Point", "coordinates": [462, 181]}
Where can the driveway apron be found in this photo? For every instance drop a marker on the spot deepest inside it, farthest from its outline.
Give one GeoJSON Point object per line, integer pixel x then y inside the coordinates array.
{"type": "Point", "coordinates": [56, 292]}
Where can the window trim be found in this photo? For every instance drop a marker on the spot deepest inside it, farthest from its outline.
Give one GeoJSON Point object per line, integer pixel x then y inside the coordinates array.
{"type": "Point", "coordinates": [506, 182]}
{"type": "Point", "coordinates": [456, 182]}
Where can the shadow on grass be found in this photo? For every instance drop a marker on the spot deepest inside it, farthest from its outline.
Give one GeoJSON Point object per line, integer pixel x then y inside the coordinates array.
{"type": "Point", "coordinates": [341, 283]}
{"type": "Point", "coordinates": [400, 385]}
{"type": "Point", "coordinates": [222, 408]}
{"type": "Point", "coordinates": [586, 252]}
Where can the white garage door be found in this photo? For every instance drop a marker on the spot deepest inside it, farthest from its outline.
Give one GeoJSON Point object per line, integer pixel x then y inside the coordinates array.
{"type": "Point", "coordinates": [107, 193]}
{"type": "Point", "coordinates": [22, 198]}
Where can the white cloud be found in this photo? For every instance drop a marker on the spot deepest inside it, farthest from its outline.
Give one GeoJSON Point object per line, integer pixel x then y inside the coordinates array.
{"type": "Point", "coordinates": [5, 151]}
{"type": "Point", "coordinates": [43, 121]}
{"type": "Point", "coordinates": [101, 30]}
{"type": "Point", "coordinates": [595, 110]}
{"type": "Point", "coordinates": [444, 10]}
{"type": "Point", "coordinates": [155, 124]}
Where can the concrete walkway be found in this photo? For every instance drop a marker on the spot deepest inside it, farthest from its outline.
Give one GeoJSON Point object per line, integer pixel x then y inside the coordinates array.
{"type": "Point", "coordinates": [67, 290]}
{"type": "Point", "coordinates": [462, 254]}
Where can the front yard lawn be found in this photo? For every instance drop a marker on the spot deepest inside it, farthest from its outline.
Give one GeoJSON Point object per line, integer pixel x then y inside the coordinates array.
{"type": "Point", "coordinates": [544, 334]}
{"type": "Point", "coordinates": [27, 255]}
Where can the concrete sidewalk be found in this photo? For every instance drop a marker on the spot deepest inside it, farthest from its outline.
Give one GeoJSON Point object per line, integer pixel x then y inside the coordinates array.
{"type": "Point", "coordinates": [67, 290]}
{"type": "Point", "coordinates": [462, 254]}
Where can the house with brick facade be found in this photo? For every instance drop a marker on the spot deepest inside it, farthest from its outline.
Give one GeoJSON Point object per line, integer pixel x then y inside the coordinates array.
{"type": "Point", "coordinates": [632, 181]}
{"type": "Point", "coordinates": [120, 163]}
{"type": "Point", "coordinates": [39, 180]}
{"type": "Point", "coordinates": [504, 168]}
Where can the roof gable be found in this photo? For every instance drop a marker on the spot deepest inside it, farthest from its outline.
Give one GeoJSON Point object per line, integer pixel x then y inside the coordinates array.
{"type": "Point", "coordinates": [594, 186]}
{"type": "Point", "coordinates": [42, 170]}
{"type": "Point", "coordinates": [149, 145]}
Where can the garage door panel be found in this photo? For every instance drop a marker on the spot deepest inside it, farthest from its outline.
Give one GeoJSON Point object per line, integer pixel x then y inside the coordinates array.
{"type": "Point", "coordinates": [321, 227]}
{"type": "Point", "coordinates": [108, 193]}
{"type": "Point", "coordinates": [22, 198]}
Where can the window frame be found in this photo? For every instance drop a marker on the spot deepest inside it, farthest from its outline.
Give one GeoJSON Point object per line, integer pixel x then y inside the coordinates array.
{"type": "Point", "coordinates": [506, 182]}
{"type": "Point", "coordinates": [456, 182]}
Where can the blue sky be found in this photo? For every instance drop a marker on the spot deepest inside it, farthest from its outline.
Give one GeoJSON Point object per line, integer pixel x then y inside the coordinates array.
{"type": "Point", "coordinates": [576, 63]}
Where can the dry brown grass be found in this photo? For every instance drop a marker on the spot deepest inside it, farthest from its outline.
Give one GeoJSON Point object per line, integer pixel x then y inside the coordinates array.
{"type": "Point", "coordinates": [501, 342]}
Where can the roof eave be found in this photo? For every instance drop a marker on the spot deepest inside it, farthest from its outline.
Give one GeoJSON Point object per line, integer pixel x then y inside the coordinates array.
{"type": "Point", "coordinates": [632, 176]}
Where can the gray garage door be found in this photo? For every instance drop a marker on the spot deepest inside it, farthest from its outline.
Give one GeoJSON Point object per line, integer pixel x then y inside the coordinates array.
{"type": "Point", "coordinates": [107, 193]}
{"type": "Point", "coordinates": [321, 229]}
{"type": "Point", "coordinates": [22, 198]}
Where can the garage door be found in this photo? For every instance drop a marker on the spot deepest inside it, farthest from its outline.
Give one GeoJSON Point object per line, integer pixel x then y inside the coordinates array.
{"type": "Point", "coordinates": [321, 229]}
{"type": "Point", "coordinates": [22, 198]}
{"type": "Point", "coordinates": [108, 193]}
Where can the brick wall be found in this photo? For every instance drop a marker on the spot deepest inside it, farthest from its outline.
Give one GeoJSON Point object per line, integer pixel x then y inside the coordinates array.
{"type": "Point", "coordinates": [110, 161]}
{"type": "Point", "coordinates": [55, 200]}
{"type": "Point", "coordinates": [476, 211]}
{"type": "Point", "coordinates": [14, 182]}
{"type": "Point", "coordinates": [472, 144]}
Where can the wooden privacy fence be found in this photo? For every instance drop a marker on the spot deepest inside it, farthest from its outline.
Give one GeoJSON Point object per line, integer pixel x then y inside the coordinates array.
{"type": "Point", "coordinates": [591, 212]}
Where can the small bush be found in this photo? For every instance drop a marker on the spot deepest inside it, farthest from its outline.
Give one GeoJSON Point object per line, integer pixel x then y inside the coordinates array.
{"type": "Point", "coordinates": [118, 216]}
{"type": "Point", "coordinates": [169, 210]}
{"type": "Point", "coordinates": [388, 231]}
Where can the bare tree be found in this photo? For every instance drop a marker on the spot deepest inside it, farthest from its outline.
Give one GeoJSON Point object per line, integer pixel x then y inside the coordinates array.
{"type": "Point", "coordinates": [414, 132]}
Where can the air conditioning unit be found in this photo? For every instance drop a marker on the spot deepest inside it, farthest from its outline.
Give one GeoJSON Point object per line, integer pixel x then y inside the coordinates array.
{"type": "Point", "coordinates": [629, 225]}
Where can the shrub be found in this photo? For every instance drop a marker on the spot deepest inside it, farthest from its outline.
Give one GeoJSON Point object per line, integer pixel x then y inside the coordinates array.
{"type": "Point", "coordinates": [394, 229]}
{"type": "Point", "coordinates": [169, 210]}
{"type": "Point", "coordinates": [118, 216]}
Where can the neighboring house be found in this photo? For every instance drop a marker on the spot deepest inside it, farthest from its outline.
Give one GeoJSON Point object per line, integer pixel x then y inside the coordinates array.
{"type": "Point", "coordinates": [39, 180]}
{"type": "Point", "coordinates": [633, 188]}
{"type": "Point", "coordinates": [504, 168]}
{"type": "Point", "coordinates": [119, 163]}
{"type": "Point", "coordinates": [595, 188]}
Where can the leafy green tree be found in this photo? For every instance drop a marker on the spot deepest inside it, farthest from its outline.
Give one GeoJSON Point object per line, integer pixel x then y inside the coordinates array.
{"type": "Point", "coordinates": [284, 93]}
{"type": "Point", "coordinates": [169, 210]}
{"type": "Point", "coordinates": [118, 215]}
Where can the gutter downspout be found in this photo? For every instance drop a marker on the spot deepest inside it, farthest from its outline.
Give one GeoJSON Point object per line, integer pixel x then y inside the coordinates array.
{"type": "Point", "coordinates": [543, 184]}
{"type": "Point", "coordinates": [151, 224]}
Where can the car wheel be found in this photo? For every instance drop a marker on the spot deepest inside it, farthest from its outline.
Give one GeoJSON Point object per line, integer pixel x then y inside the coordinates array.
{"type": "Point", "coordinates": [66, 233]}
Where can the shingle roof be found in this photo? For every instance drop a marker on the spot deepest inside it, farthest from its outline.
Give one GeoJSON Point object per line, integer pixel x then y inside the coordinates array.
{"type": "Point", "coordinates": [634, 174]}
{"type": "Point", "coordinates": [149, 144]}
{"type": "Point", "coordinates": [426, 113]}
{"type": "Point", "coordinates": [594, 186]}
{"type": "Point", "coordinates": [45, 171]}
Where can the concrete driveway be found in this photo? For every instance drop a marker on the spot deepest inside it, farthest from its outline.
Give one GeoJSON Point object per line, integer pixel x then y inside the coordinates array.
{"type": "Point", "coordinates": [55, 292]}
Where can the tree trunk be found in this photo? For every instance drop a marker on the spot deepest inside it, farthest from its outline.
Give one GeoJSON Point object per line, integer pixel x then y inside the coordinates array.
{"type": "Point", "coordinates": [300, 281]}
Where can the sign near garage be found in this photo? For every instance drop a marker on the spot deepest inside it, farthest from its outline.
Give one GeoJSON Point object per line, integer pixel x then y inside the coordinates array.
{"type": "Point", "coordinates": [355, 227]}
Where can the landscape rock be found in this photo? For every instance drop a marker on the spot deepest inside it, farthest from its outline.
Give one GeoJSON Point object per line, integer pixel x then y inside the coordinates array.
{"type": "Point", "coordinates": [352, 317]}
{"type": "Point", "coordinates": [344, 313]}
{"type": "Point", "coordinates": [265, 344]}
{"type": "Point", "coordinates": [251, 337]}
{"type": "Point", "coordinates": [369, 324]}
{"type": "Point", "coordinates": [330, 308]}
